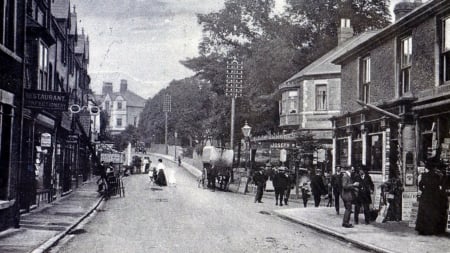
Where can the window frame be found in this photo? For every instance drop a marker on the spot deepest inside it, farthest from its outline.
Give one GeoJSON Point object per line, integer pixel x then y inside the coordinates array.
{"type": "Point", "coordinates": [321, 98]}
{"type": "Point", "coordinates": [365, 79]}
{"type": "Point", "coordinates": [444, 52]}
{"type": "Point", "coordinates": [405, 64]}
{"type": "Point", "coordinates": [43, 65]}
{"type": "Point", "coordinates": [119, 120]}
{"type": "Point", "coordinates": [119, 105]}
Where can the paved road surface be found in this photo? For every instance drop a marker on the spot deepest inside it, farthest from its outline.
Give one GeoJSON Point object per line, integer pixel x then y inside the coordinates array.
{"type": "Point", "coordinates": [184, 218]}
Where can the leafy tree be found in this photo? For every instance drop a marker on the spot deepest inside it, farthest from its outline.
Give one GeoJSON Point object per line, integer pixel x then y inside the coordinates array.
{"type": "Point", "coordinates": [129, 135]}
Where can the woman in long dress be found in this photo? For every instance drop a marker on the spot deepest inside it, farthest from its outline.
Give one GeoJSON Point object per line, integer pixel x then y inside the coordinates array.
{"type": "Point", "coordinates": [433, 203]}
{"type": "Point", "coordinates": [161, 178]}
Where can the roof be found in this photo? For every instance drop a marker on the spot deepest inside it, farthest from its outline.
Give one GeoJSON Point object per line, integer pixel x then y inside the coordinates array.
{"type": "Point", "coordinates": [324, 65]}
{"type": "Point", "coordinates": [73, 21]}
{"type": "Point", "coordinates": [132, 99]}
{"type": "Point", "coordinates": [80, 44]}
{"type": "Point", "coordinates": [60, 9]}
{"type": "Point", "coordinates": [423, 12]}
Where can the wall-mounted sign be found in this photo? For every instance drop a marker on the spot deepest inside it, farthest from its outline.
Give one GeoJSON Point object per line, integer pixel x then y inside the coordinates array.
{"type": "Point", "coordinates": [72, 139]}
{"type": "Point", "coordinates": [46, 140]}
{"type": "Point", "coordinates": [50, 100]}
{"type": "Point", "coordinates": [114, 158]}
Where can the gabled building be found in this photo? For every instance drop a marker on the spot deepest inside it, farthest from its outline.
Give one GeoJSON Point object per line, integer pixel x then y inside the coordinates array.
{"type": "Point", "coordinates": [123, 107]}
{"type": "Point", "coordinates": [312, 96]}
{"type": "Point", "coordinates": [395, 97]}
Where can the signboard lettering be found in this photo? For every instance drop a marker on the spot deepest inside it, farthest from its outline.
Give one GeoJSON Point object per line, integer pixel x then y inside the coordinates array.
{"type": "Point", "coordinates": [46, 140]}
{"type": "Point", "coordinates": [114, 158]}
{"type": "Point", "coordinates": [408, 198]}
{"type": "Point", "coordinates": [50, 100]}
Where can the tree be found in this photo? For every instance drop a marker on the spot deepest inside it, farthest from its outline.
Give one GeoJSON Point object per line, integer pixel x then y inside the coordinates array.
{"type": "Point", "coordinates": [129, 135]}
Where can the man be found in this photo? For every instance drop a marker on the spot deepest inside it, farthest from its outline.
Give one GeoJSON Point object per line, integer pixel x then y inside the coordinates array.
{"type": "Point", "coordinates": [280, 182]}
{"type": "Point", "coordinates": [291, 184]}
{"type": "Point", "coordinates": [336, 184]}
{"type": "Point", "coordinates": [317, 187]}
{"type": "Point", "coordinates": [347, 196]}
{"type": "Point", "coordinates": [260, 180]}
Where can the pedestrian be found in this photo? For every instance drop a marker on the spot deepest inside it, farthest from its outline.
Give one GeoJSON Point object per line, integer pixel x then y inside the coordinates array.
{"type": "Point", "coordinates": [433, 202]}
{"type": "Point", "coordinates": [364, 198]}
{"type": "Point", "coordinates": [179, 161]}
{"type": "Point", "coordinates": [290, 185]}
{"type": "Point", "coordinates": [259, 179]}
{"type": "Point", "coordinates": [336, 184]}
{"type": "Point", "coordinates": [110, 170]}
{"type": "Point", "coordinates": [348, 187]}
{"type": "Point", "coordinates": [330, 195]}
{"type": "Point", "coordinates": [317, 187]}
{"type": "Point", "coordinates": [102, 173]}
{"type": "Point", "coordinates": [161, 178]}
{"type": "Point", "coordinates": [154, 175]}
{"type": "Point", "coordinates": [280, 182]}
{"type": "Point", "coordinates": [305, 193]}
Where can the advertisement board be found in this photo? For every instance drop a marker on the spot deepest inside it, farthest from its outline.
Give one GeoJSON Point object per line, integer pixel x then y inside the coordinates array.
{"type": "Point", "coordinates": [114, 158]}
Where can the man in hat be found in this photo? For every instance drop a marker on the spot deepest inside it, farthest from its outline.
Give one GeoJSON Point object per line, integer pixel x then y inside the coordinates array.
{"type": "Point", "coordinates": [280, 182]}
{"type": "Point", "coordinates": [347, 196]}
{"type": "Point", "coordinates": [336, 184]}
{"type": "Point", "coordinates": [260, 180]}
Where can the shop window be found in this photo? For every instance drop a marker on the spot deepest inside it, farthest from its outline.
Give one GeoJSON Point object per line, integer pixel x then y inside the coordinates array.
{"type": "Point", "coordinates": [375, 152]}
{"type": "Point", "coordinates": [321, 97]}
{"type": "Point", "coordinates": [365, 80]}
{"type": "Point", "coordinates": [5, 148]}
{"type": "Point", "coordinates": [405, 65]}
{"type": "Point", "coordinates": [342, 154]}
{"type": "Point", "coordinates": [445, 50]}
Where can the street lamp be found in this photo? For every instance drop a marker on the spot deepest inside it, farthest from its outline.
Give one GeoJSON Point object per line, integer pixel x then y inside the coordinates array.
{"type": "Point", "coordinates": [246, 131]}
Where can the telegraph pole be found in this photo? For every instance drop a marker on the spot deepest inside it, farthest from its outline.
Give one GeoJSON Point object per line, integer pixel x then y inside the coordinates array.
{"type": "Point", "coordinates": [167, 107]}
{"type": "Point", "coordinates": [234, 85]}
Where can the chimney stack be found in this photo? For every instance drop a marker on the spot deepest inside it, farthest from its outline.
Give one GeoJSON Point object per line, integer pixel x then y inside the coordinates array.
{"type": "Point", "coordinates": [123, 86]}
{"type": "Point", "coordinates": [345, 31]}
{"type": "Point", "coordinates": [107, 88]}
{"type": "Point", "coordinates": [404, 7]}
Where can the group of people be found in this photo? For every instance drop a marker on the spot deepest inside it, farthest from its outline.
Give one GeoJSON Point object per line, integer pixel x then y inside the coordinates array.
{"type": "Point", "coordinates": [213, 175]}
{"type": "Point", "coordinates": [282, 181]}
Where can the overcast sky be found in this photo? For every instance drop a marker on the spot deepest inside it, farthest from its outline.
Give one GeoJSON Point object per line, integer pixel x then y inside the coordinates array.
{"type": "Point", "coordinates": [142, 40]}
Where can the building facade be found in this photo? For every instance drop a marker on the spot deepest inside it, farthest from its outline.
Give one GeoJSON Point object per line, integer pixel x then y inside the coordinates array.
{"type": "Point", "coordinates": [123, 107]}
{"type": "Point", "coordinates": [394, 97]}
{"type": "Point", "coordinates": [42, 71]}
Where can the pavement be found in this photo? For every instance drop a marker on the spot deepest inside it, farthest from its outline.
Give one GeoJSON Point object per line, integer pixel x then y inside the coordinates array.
{"type": "Point", "coordinates": [43, 227]}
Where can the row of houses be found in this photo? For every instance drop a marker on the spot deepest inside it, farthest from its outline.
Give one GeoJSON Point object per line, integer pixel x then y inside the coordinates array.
{"type": "Point", "coordinates": [43, 70]}
{"type": "Point", "coordinates": [380, 98]}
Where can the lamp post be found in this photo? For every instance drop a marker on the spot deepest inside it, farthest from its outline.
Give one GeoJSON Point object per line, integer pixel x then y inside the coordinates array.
{"type": "Point", "coordinates": [175, 135]}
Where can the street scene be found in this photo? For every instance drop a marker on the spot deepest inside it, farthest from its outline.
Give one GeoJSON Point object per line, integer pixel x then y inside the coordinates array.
{"type": "Point", "coordinates": [224, 126]}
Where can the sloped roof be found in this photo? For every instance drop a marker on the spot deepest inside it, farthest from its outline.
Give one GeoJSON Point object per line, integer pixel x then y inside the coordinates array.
{"type": "Point", "coordinates": [324, 65]}
{"type": "Point", "coordinates": [60, 9]}
{"type": "Point", "coordinates": [132, 99]}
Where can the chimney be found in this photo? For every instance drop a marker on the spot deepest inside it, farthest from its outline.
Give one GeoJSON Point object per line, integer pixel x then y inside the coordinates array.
{"type": "Point", "coordinates": [404, 7]}
{"type": "Point", "coordinates": [123, 85]}
{"type": "Point", "coordinates": [345, 31]}
{"type": "Point", "coordinates": [107, 88]}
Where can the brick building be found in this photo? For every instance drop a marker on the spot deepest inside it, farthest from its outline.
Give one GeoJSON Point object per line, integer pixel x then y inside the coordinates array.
{"type": "Point", "coordinates": [395, 97]}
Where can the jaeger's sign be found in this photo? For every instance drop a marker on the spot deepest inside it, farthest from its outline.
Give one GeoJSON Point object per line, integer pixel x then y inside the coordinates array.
{"type": "Point", "coordinates": [50, 100]}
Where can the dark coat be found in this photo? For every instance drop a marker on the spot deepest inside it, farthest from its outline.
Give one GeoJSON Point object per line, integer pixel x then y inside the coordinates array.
{"type": "Point", "coordinates": [336, 183]}
{"type": "Point", "coordinates": [259, 178]}
{"type": "Point", "coordinates": [161, 178]}
{"type": "Point", "coordinates": [347, 188]}
{"type": "Point", "coordinates": [433, 204]}
{"type": "Point", "coordinates": [364, 189]}
{"type": "Point", "coordinates": [317, 185]}
{"type": "Point", "coordinates": [280, 180]}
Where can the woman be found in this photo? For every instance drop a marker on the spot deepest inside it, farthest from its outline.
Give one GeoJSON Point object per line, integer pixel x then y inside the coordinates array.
{"type": "Point", "coordinates": [433, 202]}
{"type": "Point", "coordinates": [161, 178]}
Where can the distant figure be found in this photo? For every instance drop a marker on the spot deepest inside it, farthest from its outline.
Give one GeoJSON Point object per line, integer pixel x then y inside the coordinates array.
{"type": "Point", "coordinates": [161, 177]}
{"type": "Point", "coordinates": [305, 194]}
{"type": "Point", "coordinates": [317, 188]}
{"type": "Point", "coordinates": [347, 196]}
{"type": "Point", "coordinates": [336, 184]}
{"type": "Point", "coordinates": [179, 161]}
{"type": "Point", "coordinates": [260, 180]}
{"type": "Point", "coordinates": [110, 170]}
{"type": "Point", "coordinates": [280, 183]}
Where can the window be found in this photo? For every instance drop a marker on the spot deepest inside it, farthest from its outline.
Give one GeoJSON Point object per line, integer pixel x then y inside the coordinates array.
{"type": "Point", "coordinates": [7, 26]}
{"type": "Point", "coordinates": [107, 106]}
{"type": "Point", "coordinates": [374, 152]}
{"type": "Point", "coordinates": [321, 97]}
{"type": "Point", "coordinates": [119, 122]}
{"type": "Point", "coordinates": [445, 50]}
{"type": "Point", "coordinates": [405, 65]}
{"type": "Point", "coordinates": [289, 102]}
{"type": "Point", "coordinates": [119, 105]}
{"type": "Point", "coordinates": [365, 80]}
{"type": "Point", "coordinates": [43, 67]}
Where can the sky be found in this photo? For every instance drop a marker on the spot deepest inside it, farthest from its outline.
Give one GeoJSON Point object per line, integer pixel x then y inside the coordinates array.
{"type": "Point", "coordinates": [142, 41]}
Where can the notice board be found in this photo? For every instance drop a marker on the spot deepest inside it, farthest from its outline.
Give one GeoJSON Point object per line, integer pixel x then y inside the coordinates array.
{"type": "Point", "coordinates": [408, 198]}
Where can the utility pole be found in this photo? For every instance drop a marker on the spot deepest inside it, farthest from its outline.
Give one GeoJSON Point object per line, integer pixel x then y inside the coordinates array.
{"type": "Point", "coordinates": [234, 85]}
{"type": "Point", "coordinates": [167, 107]}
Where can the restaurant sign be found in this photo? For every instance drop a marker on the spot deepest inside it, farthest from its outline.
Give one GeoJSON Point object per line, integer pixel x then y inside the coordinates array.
{"type": "Point", "coordinates": [50, 100]}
